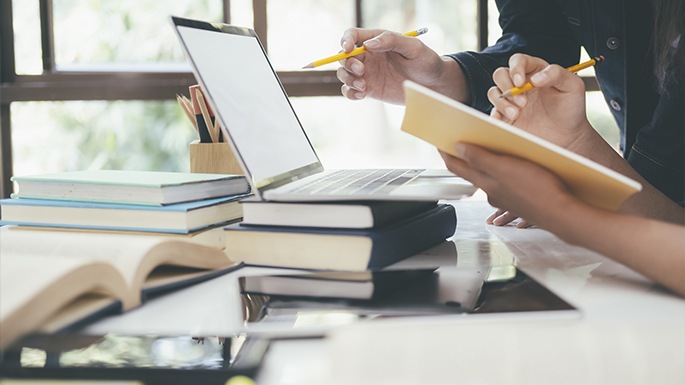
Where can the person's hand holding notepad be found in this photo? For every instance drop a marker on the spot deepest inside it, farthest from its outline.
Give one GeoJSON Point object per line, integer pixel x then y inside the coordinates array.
{"type": "Point", "coordinates": [445, 122]}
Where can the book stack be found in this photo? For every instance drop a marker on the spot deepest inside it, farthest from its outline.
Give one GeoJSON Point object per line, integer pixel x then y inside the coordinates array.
{"type": "Point", "coordinates": [349, 236]}
{"type": "Point", "coordinates": [101, 255]}
{"type": "Point", "coordinates": [183, 205]}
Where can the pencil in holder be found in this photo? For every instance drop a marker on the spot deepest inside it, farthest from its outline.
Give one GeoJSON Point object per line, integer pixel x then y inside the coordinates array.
{"type": "Point", "coordinates": [213, 158]}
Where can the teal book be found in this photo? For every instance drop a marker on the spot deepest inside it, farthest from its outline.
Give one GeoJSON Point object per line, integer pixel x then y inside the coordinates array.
{"type": "Point", "coordinates": [133, 187]}
{"type": "Point", "coordinates": [340, 249]}
{"type": "Point", "coordinates": [181, 218]}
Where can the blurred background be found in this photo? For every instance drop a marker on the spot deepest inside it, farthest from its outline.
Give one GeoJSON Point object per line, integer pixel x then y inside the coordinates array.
{"type": "Point", "coordinates": [91, 84]}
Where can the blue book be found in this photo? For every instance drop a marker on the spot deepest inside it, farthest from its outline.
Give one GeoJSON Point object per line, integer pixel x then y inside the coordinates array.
{"type": "Point", "coordinates": [340, 249]}
{"type": "Point", "coordinates": [180, 218]}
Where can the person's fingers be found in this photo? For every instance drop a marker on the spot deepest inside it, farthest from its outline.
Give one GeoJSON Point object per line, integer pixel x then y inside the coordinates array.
{"type": "Point", "coordinates": [478, 157]}
{"type": "Point", "coordinates": [344, 76]}
{"type": "Point", "coordinates": [494, 215]}
{"type": "Point", "coordinates": [497, 115]}
{"type": "Point", "coordinates": [463, 170]}
{"type": "Point", "coordinates": [504, 219]}
{"type": "Point", "coordinates": [520, 65]}
{"type": "Point", "coordinates": [502, 79]}
{"type": "Point", "coordinates": [354, 37]}
{"type": "Point", "coordinates": [524, 224]}
{"type": "Point", "coordinates": [350, 80]}
{"type": "Point", "coordinates": [559, 78]}
{"type": "Point", "coordinates": [352, 94]}
{"type": "Point", "coordinates": [503, 105]}
{"type": "Point", "coordinates": [353, 66]}
{"type": "Point", "coordinates": [393, 41]}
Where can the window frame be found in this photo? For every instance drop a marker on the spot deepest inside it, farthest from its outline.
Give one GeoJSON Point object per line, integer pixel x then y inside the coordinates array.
{"type": "Point", "coordinates": [55, 85]}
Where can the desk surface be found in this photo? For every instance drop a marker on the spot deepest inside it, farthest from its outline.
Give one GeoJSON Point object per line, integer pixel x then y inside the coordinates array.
{"type": "Point", "coordinates": [604, 291]}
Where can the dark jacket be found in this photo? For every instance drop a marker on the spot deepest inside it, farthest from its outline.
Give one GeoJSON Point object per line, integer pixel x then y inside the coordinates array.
{"type": "Point", "coordinates": [652, 123]}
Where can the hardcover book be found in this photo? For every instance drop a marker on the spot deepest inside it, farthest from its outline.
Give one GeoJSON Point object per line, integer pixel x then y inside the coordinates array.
{"type": "Point", "coordinates": [362, 285]}
{"type": "Point", "coordinates": [135, 187]}
{"type": "Point", "coordinates": [343, 214]}
{"type": "Point", "coordinates": [183, 218]}
{"type": "Point", "coordinates": [340, 249]}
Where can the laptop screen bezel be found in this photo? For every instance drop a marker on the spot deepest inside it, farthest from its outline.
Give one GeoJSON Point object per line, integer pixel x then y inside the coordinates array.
{"type": "Point", "coordinates": [258, 186]}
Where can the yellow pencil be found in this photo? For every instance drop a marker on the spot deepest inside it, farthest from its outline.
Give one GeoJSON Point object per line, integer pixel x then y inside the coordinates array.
{"type": "Point", "coordinates": [356, 51]}
{"type": "Point", "coordinates": [573, 69]}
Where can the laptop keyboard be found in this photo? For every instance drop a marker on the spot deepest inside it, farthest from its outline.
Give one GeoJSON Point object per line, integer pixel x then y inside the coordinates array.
{"type": "Point", "coordinates": [358, 182]}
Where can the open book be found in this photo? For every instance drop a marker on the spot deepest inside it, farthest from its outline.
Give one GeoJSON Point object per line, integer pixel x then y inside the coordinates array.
{"type": "Point", "coordinates": [443, 122]}
{"type": "Point", "coordinates": [51, 279]}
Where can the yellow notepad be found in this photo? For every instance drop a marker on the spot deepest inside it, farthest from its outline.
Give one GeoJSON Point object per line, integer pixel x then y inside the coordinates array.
{"type": "Point", "coordinates": [443, 122]}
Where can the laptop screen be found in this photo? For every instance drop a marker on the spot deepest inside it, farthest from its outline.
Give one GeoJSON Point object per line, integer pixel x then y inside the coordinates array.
{"type": "Point", "coordinates": [249, 100]}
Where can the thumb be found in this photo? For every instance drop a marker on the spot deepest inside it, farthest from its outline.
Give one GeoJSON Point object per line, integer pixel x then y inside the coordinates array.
{"type": "Point", "coordinates": [559, 78]}
{"type": "Point", "coordinates": [394, 42]}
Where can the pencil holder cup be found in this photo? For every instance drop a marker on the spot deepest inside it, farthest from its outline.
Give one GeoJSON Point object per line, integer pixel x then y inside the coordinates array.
{"type": "Point", "coordinates": [213, 158]}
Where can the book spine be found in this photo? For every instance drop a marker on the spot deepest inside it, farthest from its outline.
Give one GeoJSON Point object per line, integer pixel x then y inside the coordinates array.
{"type": "Point", "coordinates": [411, 237]}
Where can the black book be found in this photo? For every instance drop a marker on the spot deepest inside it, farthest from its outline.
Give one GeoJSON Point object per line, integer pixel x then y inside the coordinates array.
{"type": "Point", "coordinates": [340, 249]}
{"type": "Point", "coordinates": [342, 215]}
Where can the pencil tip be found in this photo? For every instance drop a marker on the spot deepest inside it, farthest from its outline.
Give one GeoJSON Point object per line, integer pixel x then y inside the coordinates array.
{"type": "Point", "coordinates": [310, 65]}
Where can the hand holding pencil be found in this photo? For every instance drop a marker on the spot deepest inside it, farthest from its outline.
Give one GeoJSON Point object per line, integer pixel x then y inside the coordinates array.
{"type": "Point", "coordinates": [389, 58]}
{"type": "Point", "coordinates": [556, 111]}
{"type": "Point", "coordinates": [357, 51]}
{"type": "Point", "coordinates": [573, 69]}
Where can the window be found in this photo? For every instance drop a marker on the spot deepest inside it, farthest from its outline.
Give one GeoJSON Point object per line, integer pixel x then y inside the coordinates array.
{"type": "Point", "coordinates": [91, 83]}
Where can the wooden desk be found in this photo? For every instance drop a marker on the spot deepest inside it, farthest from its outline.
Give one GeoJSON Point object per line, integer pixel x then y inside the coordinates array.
{"type": "Point", "coordinates": [608, 294]}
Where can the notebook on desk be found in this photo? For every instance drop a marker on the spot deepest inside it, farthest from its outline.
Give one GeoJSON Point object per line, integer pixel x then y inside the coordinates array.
{"type": "Point", "coordinates": [267, 137]}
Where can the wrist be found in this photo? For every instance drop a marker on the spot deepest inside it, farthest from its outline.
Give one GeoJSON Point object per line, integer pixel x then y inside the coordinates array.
{"type": "Point", "coordinates": [585, 140]}
{"type": "Point", "coordinates": [564, 215]}
{"type": "Point", "coordinates": [450, 80]}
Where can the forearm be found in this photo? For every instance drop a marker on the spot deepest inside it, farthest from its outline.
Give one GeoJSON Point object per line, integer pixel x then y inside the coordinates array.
{"type": "Point", "coordinates": [653, 248]}
{"type": "Point", "coordinates": [452, 82]}
{"type": "Point", "coordinates": [650, 202]}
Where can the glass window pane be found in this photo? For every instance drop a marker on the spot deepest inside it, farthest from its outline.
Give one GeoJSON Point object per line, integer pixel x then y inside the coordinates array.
{"type": "Point", "coordinates": [451, 24]}
{"type": "Point", "coordinates": [362, 134]}
{"type": "Point", "coordinates": [301, 31]}
{"type": "Point", "coordinates": [27, 48]}
{"type": "Point", "coordinates": [123, 32]}
{"type": "Point", "coordinates": [494, 30]}
{"type": "Point", "coordinates": [80, 135]}
{"type": "Point", "coordinates": [241, 13]}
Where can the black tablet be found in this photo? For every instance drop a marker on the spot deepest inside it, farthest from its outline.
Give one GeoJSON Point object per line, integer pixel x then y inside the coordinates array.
{"type": "Point", "coordinates": [150, 359]}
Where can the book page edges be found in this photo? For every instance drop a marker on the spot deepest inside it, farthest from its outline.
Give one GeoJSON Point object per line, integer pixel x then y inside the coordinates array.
{"type": "Point", "coordinates": [180, 254]}
{"type": "Point", "coordinates": [314, 251]}
{"type": "Point", "coordinates": [52, 298]}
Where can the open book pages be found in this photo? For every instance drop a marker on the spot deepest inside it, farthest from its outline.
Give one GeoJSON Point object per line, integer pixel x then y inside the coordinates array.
{"type": "Point", "coordinates": [43, 272]}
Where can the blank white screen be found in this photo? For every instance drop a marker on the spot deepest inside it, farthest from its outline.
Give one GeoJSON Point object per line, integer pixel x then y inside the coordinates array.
{"type": "Point", "coordinates": [249, 99]}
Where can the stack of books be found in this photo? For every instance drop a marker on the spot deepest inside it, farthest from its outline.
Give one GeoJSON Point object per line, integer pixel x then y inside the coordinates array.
{"type": "Point", "coordinates": [101, 255]}
{"type": "Point", "coordinates": [350, 236]}
{"type": "Point", "coordinates": [183, 205]}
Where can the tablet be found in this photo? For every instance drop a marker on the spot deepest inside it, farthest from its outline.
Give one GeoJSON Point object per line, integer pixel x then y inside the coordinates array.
{"type": "Point", "coordinates": [151, 359]}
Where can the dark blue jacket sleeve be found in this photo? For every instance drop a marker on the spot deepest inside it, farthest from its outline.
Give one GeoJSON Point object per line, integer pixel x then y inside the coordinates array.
{"type": "Point", "coordinates": [535, 27]}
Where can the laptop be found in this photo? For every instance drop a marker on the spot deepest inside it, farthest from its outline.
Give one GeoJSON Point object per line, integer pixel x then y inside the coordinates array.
{"type": "Point", "coordinates": [267, 137]}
